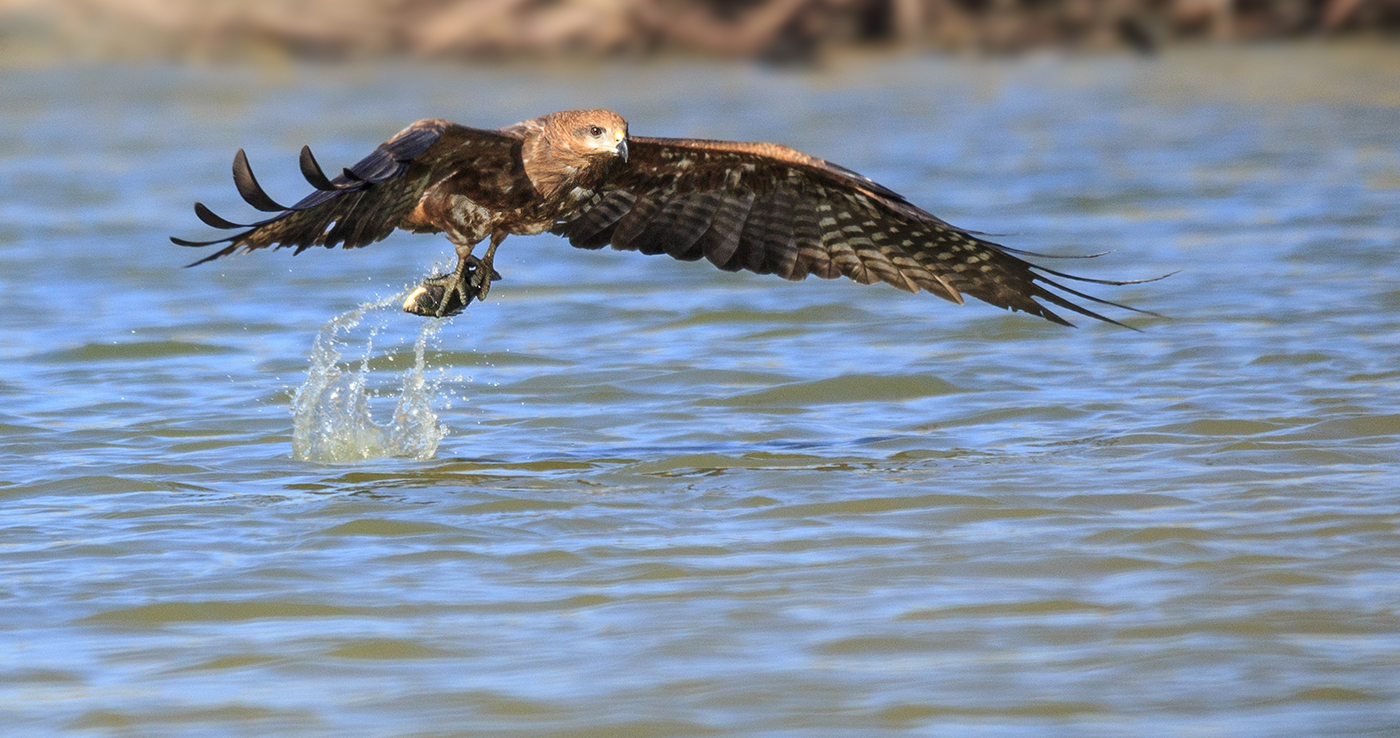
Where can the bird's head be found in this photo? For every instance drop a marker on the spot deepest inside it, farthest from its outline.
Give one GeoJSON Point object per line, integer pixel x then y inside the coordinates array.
{"type": "Point", "coordinates": [575, 147]}
{"type": "Point", "coordinates": [599, 135]}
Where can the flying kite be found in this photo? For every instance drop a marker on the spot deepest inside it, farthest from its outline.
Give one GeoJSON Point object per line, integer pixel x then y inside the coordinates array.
{"type": "Point", "coordinates": [762, 207]}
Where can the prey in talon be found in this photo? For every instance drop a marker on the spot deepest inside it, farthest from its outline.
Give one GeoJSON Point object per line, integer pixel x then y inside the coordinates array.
{"type": "Point", "coordinates": [579, 174]}
{"type": "Point", "coordinates": [447, 294]}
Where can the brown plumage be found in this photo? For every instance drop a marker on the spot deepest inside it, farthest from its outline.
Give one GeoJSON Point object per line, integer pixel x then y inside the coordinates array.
{"type": "Point", "coordinates": [762, 207]}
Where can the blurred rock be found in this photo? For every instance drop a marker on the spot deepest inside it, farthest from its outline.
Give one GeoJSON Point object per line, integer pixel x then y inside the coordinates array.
{"type": "Point", "coordinates": [775, 30]}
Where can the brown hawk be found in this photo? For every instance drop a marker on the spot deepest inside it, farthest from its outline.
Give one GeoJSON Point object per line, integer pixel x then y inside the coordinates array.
{"type": "Point", "coordinates": [762, 207]}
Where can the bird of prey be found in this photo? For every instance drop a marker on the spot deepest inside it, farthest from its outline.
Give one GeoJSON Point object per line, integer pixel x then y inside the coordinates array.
{"type": "Point", "coordinates": [762, 207]}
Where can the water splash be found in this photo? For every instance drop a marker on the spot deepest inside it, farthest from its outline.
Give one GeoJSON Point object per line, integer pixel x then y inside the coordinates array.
{"type": "Point", "coordinates": [331, 411]}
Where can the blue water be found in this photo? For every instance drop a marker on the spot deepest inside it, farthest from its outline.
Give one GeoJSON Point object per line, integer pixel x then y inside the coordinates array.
{"type": "Point", "coordinates": [662, 500]}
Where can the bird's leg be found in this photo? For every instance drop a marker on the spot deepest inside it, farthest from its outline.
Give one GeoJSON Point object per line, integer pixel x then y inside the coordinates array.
{"type": "Point", "coordinates": [483, 274]}
{"type": "Point", "coordinates": [454, 284]}
{"type": "Point", "coordinates": [448, 294]}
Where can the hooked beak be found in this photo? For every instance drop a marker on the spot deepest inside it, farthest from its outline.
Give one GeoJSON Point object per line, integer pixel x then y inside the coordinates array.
{"type": "Point", "coordinates": [622, 149]}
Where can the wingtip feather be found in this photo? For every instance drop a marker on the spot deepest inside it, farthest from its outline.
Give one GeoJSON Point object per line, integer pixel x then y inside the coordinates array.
{"type": "Point", "coordinates": [248, 186]}
{"type": "Point", "coordinates": [210, 218]}
{"type": "Point", "coordinates": [311, 170]}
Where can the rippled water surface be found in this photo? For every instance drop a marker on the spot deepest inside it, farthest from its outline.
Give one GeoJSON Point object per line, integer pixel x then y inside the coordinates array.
{"type": "Point", "coordinates": [673, 501]}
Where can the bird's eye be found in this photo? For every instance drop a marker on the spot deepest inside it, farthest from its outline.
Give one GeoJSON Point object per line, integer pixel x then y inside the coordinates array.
{"type": "Point", "coordinates": [595, 131]}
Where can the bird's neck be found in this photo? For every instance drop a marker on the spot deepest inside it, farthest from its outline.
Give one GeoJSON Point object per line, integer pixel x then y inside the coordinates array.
{"type": "Point", "coordinates": [554, 169]}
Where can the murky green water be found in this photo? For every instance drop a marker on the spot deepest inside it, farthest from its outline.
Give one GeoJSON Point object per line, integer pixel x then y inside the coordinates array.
{"type": "Point", "coordinates": [673, 501]}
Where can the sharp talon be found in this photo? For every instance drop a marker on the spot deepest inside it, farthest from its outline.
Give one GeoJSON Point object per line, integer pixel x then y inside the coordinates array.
{"type": "Point", "coordinates": [482, 277]}
{"type": "Point", "coordinates": [480, 284]}
{"type": "Point", "coordinates": [446, 295]}
{"type": "Point", "coordinates": [437, 297]}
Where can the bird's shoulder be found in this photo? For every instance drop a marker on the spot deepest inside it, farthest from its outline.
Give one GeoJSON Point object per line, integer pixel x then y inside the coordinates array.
{"type": "Point", "coordinates": [438, 140]}
{"type": "Point", "coordinates": [752, 163]}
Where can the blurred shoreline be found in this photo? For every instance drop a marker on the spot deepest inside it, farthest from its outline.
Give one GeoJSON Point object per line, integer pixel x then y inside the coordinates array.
{"type": "Point", "coordinates": [780, 31]}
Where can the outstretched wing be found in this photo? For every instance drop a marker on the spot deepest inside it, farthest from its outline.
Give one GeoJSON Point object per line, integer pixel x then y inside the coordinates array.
{"type": "Point", "coordinates": [774, 210]}
{"type": "Point", "coordinates": [366, 202]}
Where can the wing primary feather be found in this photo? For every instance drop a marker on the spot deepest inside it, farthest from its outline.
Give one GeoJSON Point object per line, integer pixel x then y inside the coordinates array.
{"type": "Point", "coordinates": [342, 210]}
{"type": "Point", "coordinates": [184, 242]}
{"type": "Point", "coordinates": [1038, 255]}
{"type": "Point", "coordinates": [1111, 282]}
{"type": "Point", "coordinates": [209, 217]}
{"type": "Point", "coordinates": [1099, 300]}
{"type": "Point", "coordinates": [221, 252]}
{"type": "Point", "coordinates": [249, 188]}
{"type": "Point", "coordinates": [1068, 305]}
{"type": "Point", "coordinates": [311, 170]}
